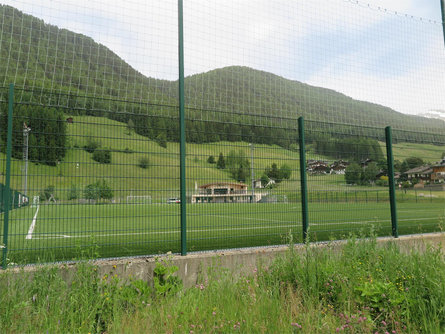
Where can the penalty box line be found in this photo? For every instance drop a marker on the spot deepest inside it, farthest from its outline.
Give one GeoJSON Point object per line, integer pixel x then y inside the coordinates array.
{"type": "Point", "coordinates": [33, 225]}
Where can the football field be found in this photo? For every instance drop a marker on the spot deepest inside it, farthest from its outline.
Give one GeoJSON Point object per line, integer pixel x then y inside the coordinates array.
{"type": "Point", "coordinates": [62, 232]}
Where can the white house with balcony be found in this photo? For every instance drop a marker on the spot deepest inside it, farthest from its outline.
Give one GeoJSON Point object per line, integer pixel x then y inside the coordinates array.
{"type": "Point", "coordinates": [224, 192]}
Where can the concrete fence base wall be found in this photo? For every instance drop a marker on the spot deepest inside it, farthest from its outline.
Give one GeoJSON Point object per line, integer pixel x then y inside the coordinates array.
{"type": "Point", "coordinates": [241, 261]}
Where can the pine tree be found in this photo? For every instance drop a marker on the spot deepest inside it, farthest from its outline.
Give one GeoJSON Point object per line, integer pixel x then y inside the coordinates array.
{"type": "Point", "coordinates": [221, 164]}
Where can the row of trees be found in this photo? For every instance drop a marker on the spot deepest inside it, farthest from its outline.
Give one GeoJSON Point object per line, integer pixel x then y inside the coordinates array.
{"type": "Point", "coordinates": [48, 136]}
{"type": "Point", "coordinates": [354, 149]}
{"type": "Point", "coordinates": [356, 174]}
{"type": "Point", "coordinates": [238, 166]}
{"type": "Point", "coordinates": [94, 191]}
{"type": "Point", "coordinates": [364, 175]}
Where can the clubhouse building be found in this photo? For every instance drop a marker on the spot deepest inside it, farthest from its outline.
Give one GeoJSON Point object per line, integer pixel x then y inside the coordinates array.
{"type": "Point", "coordinates": [224, 192]}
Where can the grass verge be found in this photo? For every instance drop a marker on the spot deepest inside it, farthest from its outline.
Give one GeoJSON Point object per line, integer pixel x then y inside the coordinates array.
{"type": "Point", "coordinates": [362, 288]}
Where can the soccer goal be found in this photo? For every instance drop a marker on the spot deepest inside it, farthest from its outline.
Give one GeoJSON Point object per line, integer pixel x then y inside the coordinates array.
{"type": "Point", "coordinates": [140, 199]}
{"type": "Point", "coordinates": [35, 201]}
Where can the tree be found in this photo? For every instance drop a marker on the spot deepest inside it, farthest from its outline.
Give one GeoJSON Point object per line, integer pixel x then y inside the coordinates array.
{"type": "Point", "coordinates": [369, 173]}
{"type": "Point", "coordinates": [130, 126]}
{"type": "Point", "coordinates": [102, 156]}
{"type": "Point", "coordinates": [413, 162]}
{"type": "Point", "coordinates": [144, 163]}
{"type": "Point", "coordinates": [98, 190]}
{"type": "Point", "coordinates": [91, 145]}
{"type": "Point", "coordinates": [211, 159]}
{"type": "Point", "coordinates": [161, 139]}
{"type": "Point", "coordinates": [285, 172]}
{"type": "Point", "coordinates": [47, 193]}
{"type": "Point", "coordinates": [273, 173]}
{"type": "Point", "coordinates": [353, 173]}
{"type": "Point", "coordinates": [91, 191]}
{"type": "Point", "coordinates": [73, 193]}
{"type": "Point", "coordinates": [264, 180]}
{"type": "Point", "coordinates": [221, 164]}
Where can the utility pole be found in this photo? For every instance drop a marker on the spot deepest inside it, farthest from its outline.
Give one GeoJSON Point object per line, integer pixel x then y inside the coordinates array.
{"type": "Point", "coordinates": [252, 173]}
{"type": "Point", "coordinates": [26, 131]}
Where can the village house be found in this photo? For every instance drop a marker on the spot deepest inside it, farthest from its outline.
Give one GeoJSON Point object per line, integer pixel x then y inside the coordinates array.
{"type": "Point", "coordinates": [317, 167]}
{"type": "Point", "coordinates": [323, 167]}
{"type": "Point", "coordinates": [224, 192]}
{"type": "Point", "coordinates": [339, 167]}
{"type": "Point", "coordinates": [422, 173]}
{"type": "Point", "coordinates": [438, 171]}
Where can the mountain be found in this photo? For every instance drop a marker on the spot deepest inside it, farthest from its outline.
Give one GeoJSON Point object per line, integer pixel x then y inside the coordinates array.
{"type": "Point", "coordinates": [435, 114]}
{"type": "Point", "coordinates": [61, 68]}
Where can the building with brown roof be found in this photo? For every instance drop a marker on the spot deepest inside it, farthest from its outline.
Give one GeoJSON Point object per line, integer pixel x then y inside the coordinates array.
{"type": "Point", "coordinates": [224, 192]}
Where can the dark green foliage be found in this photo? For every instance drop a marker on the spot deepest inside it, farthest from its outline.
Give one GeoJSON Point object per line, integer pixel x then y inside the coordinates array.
{"type": "Point", "coordinates": [221, 163]}
{"type": "Point", "coordinates": [73, 192]}
{"type": "Point", "coordinates": [285, 172]}
{"type": "Point", "coordinates": [47, 138]}
{"type": "Point", "coordinates": [103, 156]}
{"type": "Point", "coordinates": [91, 145]}
{"type": "Point", "coordinates": [144, 162]}
{"type": "Point", "coordinates": [277, 174]}
{"type": "Point", "coordinates": [47, 193]}
{"type": "Point", "coordinates": [130, 126]}
{"type": "Point", "coordinates": [264, 180]}
{"type": "Point", "coordinates": [356, 149]}
{"type": "Point", "coordinates": [98, 190]}
{"type": "Point", "coordinates": [273, 172]}
{"type": "Point", "coordinates": [211, 159]}
{"type": "Point", "coordinates": [238, 165]}
{"type": "Point", "coordinates": [161, 139]}
{"type": "Point", "coordinates": [369, 173]}
{"type": "Point", "coordinates": [410, 163]}
{"type": "Point", "coordinates": [165, 281]}
{"type": "Point", "coordinates": [353, 174]}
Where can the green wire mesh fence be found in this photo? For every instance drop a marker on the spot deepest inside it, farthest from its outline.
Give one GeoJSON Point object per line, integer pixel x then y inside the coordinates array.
{"type": "Point", "coordinates": [95, 152]}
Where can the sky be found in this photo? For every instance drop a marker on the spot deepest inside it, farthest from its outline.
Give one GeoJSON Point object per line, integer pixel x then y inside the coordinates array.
{"type": "Point", "coordinates": [387, 52]}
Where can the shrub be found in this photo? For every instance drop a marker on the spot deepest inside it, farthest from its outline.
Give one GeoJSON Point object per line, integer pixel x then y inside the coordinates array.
{"type": "Point", "coordinates": [91, 145]}
{"type": "Point", "coordinates": [98, 190]}
{"type": "Point", "coordinates": [144, 163]}
{"type": "Point", "coordinates": [47, 193]}
{"type": "Point", "coordinates": [73, 193]}
{"type": "Point", "coordinates": [102, 156]}
{"type": "Point", "coordinates": [211, 159]}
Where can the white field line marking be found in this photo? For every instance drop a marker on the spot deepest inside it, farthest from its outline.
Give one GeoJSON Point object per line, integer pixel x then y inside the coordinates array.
{"type": "Point", "coordinates": [33, 225]}
{"type": "Point", "coordinates": [61, 236]}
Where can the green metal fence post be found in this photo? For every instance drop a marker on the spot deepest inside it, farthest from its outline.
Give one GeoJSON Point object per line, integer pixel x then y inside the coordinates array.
{"type": "Point", "coordinates": [303, 179]}
{"type": "Point", "coordinates": [392, 188]}
{"type": "Point", "coordinates": [6, 189]}
{"type": "Point", "coordinates": [442, 6]}
{"type": "Point", "coordinates": [182, 129]}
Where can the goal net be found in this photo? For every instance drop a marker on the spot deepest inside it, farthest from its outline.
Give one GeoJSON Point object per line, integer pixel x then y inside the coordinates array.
{"type": "Point", "coordinates": [35, 201]}
{"type": "Point", "coordinates": [140, 199]}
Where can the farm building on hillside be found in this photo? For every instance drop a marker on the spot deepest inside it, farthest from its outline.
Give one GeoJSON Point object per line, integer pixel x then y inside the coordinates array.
{"type": "Point", "coordinates": [339, 167]}
{"type": "Point", "coordinates": [322, 167]}
{"type": "Point", "coordinates": [224, 192]}
{"type": "Point", "coordinates": [317, 167]}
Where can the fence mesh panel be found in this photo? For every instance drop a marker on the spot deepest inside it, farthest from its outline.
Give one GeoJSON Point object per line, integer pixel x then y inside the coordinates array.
{"type": "Point", "coordinates": [95, 162]}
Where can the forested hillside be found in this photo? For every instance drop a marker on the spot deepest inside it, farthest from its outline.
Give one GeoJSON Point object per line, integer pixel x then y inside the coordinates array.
{"type": "Point", "coordinates": [61, 69]}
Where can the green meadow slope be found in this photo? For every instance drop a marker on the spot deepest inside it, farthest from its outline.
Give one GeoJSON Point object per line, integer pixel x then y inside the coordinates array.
{"type": "Point", "coordinates": [160, 179]}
